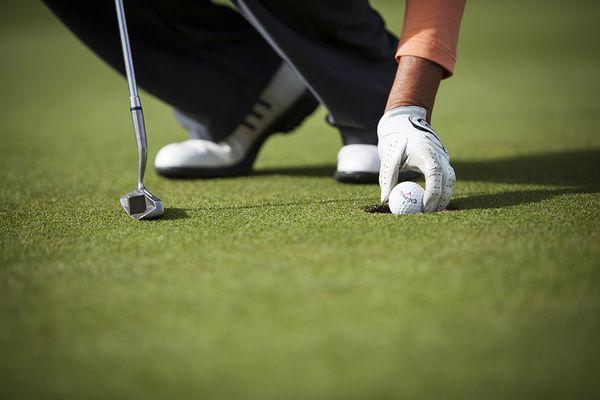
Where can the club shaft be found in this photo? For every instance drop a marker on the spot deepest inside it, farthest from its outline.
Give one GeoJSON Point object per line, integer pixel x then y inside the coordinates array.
{"type": "Point", "coordinates": [129, 71]}
{"type": "Point", "coordinates": [137, 114]}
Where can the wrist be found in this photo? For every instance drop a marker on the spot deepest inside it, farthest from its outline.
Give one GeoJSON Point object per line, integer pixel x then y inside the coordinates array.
{"type": "Point", "coordinates": [416, 83]}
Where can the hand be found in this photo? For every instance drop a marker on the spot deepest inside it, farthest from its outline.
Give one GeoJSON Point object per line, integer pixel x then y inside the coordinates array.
{"type": "Point", "coordinates": [408, 143]}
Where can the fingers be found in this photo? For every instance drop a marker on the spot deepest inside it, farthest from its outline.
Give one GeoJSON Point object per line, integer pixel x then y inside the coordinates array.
{"type": "Point", "coordinates": [448, 188]}
{"type": "Point", "coordinates": [434, 180]}
{"type": "Point", "coordinates": [439, 179]}
{"type": "Point", "coordinates": [433, 164]}
{"type": "Point", "coordinates": [391, 150]}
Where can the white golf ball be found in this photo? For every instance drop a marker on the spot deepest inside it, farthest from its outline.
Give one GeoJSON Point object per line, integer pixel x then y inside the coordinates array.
{"type": "Point", "coordinates": [406, 198]}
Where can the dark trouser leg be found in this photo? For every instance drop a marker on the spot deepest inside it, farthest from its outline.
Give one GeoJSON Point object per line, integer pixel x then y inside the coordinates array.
{"type": "Point", "coordinates": [341, 49]}
{"type": "Point", "coordinates": [200, 58]}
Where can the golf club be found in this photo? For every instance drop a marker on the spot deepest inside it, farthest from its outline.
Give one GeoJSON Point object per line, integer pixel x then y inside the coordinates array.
{"type": "Point", "coordinates": [139, 203]}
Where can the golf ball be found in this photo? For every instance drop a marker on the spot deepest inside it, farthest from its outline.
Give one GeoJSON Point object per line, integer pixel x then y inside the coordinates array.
{"type": "Point", "coordinates": [406, 198]}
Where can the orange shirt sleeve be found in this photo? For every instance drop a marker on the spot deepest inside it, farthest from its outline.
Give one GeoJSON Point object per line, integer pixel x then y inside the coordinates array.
{"type": "Point", "coordinates": [431, 30]}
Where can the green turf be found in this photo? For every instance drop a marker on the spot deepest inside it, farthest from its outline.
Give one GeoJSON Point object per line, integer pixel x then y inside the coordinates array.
{"type": "Point", "coordinates": [280, 285]}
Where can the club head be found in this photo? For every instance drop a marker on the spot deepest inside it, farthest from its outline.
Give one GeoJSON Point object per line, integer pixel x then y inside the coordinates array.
{"type": "Point", "coordinates": [141, 204]}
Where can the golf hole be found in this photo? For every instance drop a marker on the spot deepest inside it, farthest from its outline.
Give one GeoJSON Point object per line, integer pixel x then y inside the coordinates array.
{"type": "Point", "coordinates": [378, 209]}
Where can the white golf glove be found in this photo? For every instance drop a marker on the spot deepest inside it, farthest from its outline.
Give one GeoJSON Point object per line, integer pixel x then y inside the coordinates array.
{"type": "Point", "coordinates": [408, 143]}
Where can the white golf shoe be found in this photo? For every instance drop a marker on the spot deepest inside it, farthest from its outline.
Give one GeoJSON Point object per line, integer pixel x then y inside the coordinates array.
{"type": "Point", "coordinates": [357, 163]}
{"type": "Point", "coordinates": [282, 106]}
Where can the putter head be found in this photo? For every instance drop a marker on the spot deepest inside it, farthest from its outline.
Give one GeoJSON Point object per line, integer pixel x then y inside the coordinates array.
{"type": "Point", "coordinates": [141, 204]}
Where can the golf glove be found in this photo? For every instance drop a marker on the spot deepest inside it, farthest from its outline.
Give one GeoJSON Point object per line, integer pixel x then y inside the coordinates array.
{"type": "Point", "coordinates": [408, 143]}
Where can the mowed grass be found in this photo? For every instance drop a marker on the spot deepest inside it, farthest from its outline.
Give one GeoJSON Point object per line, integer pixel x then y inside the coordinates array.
{"type": "Point", "coordinates": [280, 285]}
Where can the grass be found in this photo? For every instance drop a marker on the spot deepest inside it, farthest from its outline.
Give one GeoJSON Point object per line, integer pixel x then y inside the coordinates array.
{"type": "Point", "coordinates": [281, 285]}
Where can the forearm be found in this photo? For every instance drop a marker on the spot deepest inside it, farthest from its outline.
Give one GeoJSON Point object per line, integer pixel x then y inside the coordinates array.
{"type": "Point", "coordinates": [427, 51]}
{"type": "Point", "coordinates": [416, 84]}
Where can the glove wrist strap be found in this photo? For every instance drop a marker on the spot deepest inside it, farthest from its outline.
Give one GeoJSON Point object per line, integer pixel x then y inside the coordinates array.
{"type": "Point", "coordinates": [406, 110]}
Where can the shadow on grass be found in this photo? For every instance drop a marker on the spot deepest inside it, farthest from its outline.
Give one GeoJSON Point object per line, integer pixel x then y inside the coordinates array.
{"type": "Point", "coordinates": [505, 199]}
{"type": "Point", "coordinates": [577, 171]}
{"type": "Point", "coordinates": [496, 200]}
{"type": "Point", "coordinates": [181, 213]}
{"type": "Point", "coordinates": [570, 168]}
{"type": "Point", "coordinates": [172, 213]}
{"type": "Point", "coordinates": [310, 171]}
{"type": "Point", "coordinates": [282, 204]}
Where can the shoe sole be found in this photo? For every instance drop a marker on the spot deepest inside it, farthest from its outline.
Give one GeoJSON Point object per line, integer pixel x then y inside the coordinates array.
{"type": "Point", "coordinates": [356, 177]}
{"type": "Point", "coordinates": [286, 122]}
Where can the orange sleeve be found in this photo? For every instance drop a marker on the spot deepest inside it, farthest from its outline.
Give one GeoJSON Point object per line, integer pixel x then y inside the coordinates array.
{"type": "Point", "coordinates": [430, 31]}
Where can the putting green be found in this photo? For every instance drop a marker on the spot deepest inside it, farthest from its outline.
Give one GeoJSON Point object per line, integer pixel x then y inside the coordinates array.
{"type": "Point", "coordinates": [280, 285]}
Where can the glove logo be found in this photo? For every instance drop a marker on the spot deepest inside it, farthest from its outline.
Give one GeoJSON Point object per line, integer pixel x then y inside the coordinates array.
{"type": "Point", "coordinates": [422, 125]}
